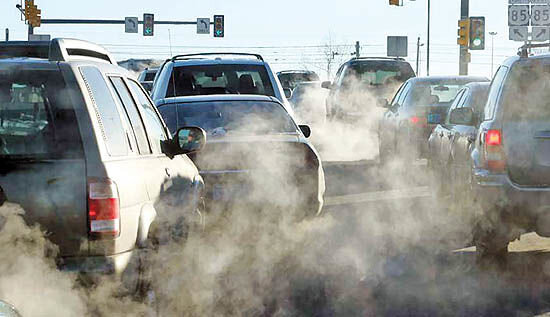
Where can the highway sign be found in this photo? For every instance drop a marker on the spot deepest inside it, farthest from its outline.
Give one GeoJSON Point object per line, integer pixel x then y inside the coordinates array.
{"type": "Point", "coordinates": [540, 1]}
{"type": "Point", "coordinates": [518, 1]}
{"type": "Point", "coordinates": [131, 24]}
{"type": "Point", "coordinates": [540, 15]}
{"type": "Point", "coordinates": [518, 15]}
{"type": "Point", "coordinates": [519, 33]}
{"type": "Point", "coordinates": [203, 26]}
{"type": "Point", "coordinates": [540, 34]}
{"type": "Point", "coordinates": [397, 46]}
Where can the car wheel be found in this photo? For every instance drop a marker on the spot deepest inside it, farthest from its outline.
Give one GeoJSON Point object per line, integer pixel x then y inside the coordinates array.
{"type": "Point", "coordinates": [490, 236]}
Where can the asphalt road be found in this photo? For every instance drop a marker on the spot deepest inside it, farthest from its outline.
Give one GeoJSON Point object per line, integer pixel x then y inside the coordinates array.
{"type": "Point", "coordinates": [424, 264]}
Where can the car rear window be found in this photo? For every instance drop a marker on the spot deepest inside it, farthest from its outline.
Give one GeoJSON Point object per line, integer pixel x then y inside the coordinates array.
{"type": "Point", "coordinates": [526, 94]}
{"type": "Point", "coordinates": [150, 75]}
{"type": "Point", "coordinates": [379, 72]}
{"type": "Point", "coordinates": [37, 118]}
{"type": "Point", "coordinates": [229, 117]}
{"type": "Point", "coordinates": [219, 79]}
{"type": "Point", "coordinates": [434, 93]}
{"type": "Point", "coordinates": [291, 80]}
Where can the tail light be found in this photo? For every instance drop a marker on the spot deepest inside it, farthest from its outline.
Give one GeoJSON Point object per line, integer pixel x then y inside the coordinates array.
{"type": "Point", "coordinates": [494, 151]}
{"type": "Point", "coordinates": [103, 208]}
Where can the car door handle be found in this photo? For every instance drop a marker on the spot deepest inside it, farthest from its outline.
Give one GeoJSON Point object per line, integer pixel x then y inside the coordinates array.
{"type": "Point", "coordinates": [168, 172]}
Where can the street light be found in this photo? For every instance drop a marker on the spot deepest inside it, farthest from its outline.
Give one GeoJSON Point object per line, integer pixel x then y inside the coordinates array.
{"type": "Point", "coordinates": [492, 34]}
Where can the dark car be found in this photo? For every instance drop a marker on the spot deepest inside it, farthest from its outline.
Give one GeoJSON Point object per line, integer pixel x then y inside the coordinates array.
{"type": "Point", "coordinates": [510, 161]}
{"type": "Point", "coordinates": [450, 143]}
{"type": "Point", "coordinates": [291, 78]}
{"type": "Point", "coordinates": [360, 82]}
{"type": "Point", "coordinates": [255, 153]}
{"type": "Point", "coordinates": [308, 102]}
{"type": "Point", "coordinates": [404, 128]}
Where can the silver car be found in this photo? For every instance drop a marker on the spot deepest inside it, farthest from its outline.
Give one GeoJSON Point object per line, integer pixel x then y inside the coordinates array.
{"type": "Point", "coordinates": [85, 153]}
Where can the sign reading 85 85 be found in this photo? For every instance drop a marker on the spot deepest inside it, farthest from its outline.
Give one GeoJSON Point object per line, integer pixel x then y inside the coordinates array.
{"type": "Point", "coordinates": [540, 15]}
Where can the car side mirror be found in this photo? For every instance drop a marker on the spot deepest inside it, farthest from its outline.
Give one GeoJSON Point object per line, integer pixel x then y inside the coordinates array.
{"type": "Point", "coordinates": [383, 102]}
{"type": "Point", "coordinates": [462, 116]}
{"type": "Point", "coordinates": [326, 85]}
{"type": "Point", "coordinates": [288, 92]}
{"type": "Point", "coordinates": [306, 130]}
{"type": "Point", "coordinates": [187, 140]}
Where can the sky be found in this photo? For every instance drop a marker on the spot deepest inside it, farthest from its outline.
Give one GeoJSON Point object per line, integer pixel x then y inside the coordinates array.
{"type": "Point", "coordinates": [290, 34]}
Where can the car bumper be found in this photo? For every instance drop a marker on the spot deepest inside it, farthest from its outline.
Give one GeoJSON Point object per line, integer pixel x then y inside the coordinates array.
{"type": "Point", "coordinates": [236, 187]}
{"type": "Point", "coordinates": [497, 190]}
{"type": "Point", "coordinates": [96, 265]}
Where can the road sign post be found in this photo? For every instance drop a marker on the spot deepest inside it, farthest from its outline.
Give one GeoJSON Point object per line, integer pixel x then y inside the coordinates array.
{"type": "Point", "coordinates": [397, 46]}
{"type": "Point", "coordinates": [131, 24]}
{"type": "Point", "coordinates": [203, 26]}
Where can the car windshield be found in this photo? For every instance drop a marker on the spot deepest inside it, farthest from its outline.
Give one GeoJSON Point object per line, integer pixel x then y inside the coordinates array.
{"type": "Point", "coordinates": [291, 80]}
{"type": "Point", "coordinates": [36, 118]}
{"type": "Point", "coordinates": [528, 85]}
{"type": "Point", "coordinates": [219, 79]}
{"type": "Point", "coordinates": [378, 73]}
{"type": "Point", "coordinates": [226, 117]}
{"type": "Point", "coordinates": [434, 93]}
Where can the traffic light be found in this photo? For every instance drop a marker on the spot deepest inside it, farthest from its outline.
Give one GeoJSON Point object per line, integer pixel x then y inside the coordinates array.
{"type": "Point", "coordinates": [463, 32]}
{"type": "Point", "coordinates": [32, 13]}
{"type": "Point", "coordinates": [148, 24]}
{"type": "Point", "coordinates": [28, 4]}
{"type": "Point", "coordinates": [219, 26]}
{"type": "Point", "coordinates": [395, 2]}
{"type": "Point", "coordinates": [477, 33]}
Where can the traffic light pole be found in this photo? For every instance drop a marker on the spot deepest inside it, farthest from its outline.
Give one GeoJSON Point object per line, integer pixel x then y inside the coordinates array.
{"type": "Point", "coordinates": [83, 21]}
{"type": "Point", "coordinates": [464, 54]}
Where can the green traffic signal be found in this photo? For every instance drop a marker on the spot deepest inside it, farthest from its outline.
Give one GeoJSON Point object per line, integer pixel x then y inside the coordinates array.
{"type": "Point", "coordinates": [477, 33]}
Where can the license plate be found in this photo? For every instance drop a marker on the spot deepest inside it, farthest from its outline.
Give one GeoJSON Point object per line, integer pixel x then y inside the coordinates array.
{"type": "Point", "coordinates": [434, 118]}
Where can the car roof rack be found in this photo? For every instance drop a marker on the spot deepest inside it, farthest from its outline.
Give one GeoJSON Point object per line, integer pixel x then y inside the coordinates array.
{"type": "Point", "coordinates": [383, 58]}
{"type": "Point", "coordinates": [198, 55]}
{"type": "Point", "coordinates": [295, 71]}
{"type": "Point", "coordinates": [56, 50]}
{"type": "Point", "coordinates": [525, 50]}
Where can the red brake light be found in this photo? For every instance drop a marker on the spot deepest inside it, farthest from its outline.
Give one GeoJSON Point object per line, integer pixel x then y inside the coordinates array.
{"type": "Point", "coordinates": [494, 153]}
{"type": "Point", "coordinates": [493, 138]}
{"type": "Point", "coordinates": [103, 208]}
{"type": "Point", "coordinates": [419, 121]}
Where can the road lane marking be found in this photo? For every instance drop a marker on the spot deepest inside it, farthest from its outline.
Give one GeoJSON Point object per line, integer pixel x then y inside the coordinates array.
{"type": "Point", "coordinates": [378, 196]}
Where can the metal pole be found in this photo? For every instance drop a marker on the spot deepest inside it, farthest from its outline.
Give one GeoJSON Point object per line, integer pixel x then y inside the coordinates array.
{"type": "Point", "coordinates": [464, 54]}
{"type": "Point", "coordinates": [428, 43]}
{"type": "Point", "coordinates": [7, 34]}
{"type": "Point", "coordinates": [417, 54]}
{"type": "Point", "coordinates": [492, 50]}
{"type": "Point", "coordinates": [31, 32]}
{"type": "Point", "coordinates": [357, 49]}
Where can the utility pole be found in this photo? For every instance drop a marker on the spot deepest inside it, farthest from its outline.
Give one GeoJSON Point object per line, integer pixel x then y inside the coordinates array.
{"type": "Point", "coordinates": [357, 49]}
{"type": "Point", "coordinates": [7, 34]}
{"type": "Point", "coordinates": [464, 58]}
{"type": "Point", "coordinates": [418, 45]}
{"type": "Point", "coordinates": [428, 43]}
